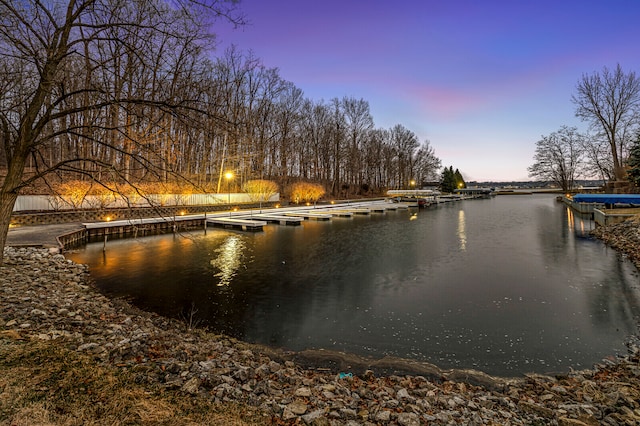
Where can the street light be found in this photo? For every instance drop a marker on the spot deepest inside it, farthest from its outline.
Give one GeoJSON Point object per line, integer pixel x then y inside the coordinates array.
{"type": "Point", "coordinates": [229, 176]}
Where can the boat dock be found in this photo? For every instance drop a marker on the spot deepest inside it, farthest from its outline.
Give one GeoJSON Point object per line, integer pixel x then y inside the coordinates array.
{"type": "Point", "coordinates": [308, 215]}
{"type": "Point", "coordinates": [249, 220]}
{"type": "Point", "coordinates": [240, 223]}
{"type": "Point", "coordinates": [279, 219]}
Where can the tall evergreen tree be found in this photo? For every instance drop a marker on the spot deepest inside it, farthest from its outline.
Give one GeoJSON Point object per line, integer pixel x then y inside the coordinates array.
{"type": "Point", "coordinates": [460, 183]}
{"type": "Point", "coordinates": [634, 162]}
{"type": "Point", "coordinates": [448, 182]}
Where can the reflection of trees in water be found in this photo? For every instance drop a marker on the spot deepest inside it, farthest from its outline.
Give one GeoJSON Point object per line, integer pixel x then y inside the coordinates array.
{"type": "Point", "coordinates": [616, 297]}
{"type": "Point", "coordinates": [297, 271]}
{"type": "Point", "coordinates": [326, 265]}
{"type": "Point", "coordinates": [555, 235]}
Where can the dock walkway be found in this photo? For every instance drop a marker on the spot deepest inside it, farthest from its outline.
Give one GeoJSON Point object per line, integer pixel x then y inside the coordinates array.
{"type": "Point", "coordinates": [62, 235]}
{"type": "Point", "coordinates": [241, 223]}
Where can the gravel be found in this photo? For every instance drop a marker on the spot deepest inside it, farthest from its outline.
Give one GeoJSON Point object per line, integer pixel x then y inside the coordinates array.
{"type": "Point", "coordinates": [45, 296]}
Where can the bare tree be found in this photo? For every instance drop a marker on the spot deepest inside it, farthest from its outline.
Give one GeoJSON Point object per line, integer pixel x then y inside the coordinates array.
{"type": "Point", "coordinates": [405, 144]}
{"type": "Point", "coordinates": [359, 123]}
{"type": "Point", "coordinates": [426, 164]}
{"type": "Point", "coordinates": [83, 76]}
{"type": "Point", "coordinates": [559, 157]}
{"type": "Point", "coordinates": [610, 101]}
{"type": "Point", "coordinates": [598, 161]}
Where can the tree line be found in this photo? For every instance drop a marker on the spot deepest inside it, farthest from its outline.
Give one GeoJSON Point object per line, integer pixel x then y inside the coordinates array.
{"type": "Point", "coordinates": [126, 91]}
{"type": "Point", "coordinates": [609, 101]}
{"type": "Point", "coordinates": [134, 96]}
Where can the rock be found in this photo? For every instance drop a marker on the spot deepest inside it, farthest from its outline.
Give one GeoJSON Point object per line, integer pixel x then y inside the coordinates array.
{"type": "Point", "coordinates": [347, 413]}
{"type": "Point", "coordinates": [402, 394]}
{"type": "Point", "coordinates": [191, 386]}
{"type": "Point", "coordinates": [297, 407]}
{"type": "Point", "coordinates": [536, 409]}
{"type": "Point", "coordinates": [52, 297]}
{"type": "Point", "coordinates": [313, 416]}
{"type": "Point", "coordinates": [304, 392]}
{"type": "Point", "coordinates": [408, 419]}
{"type": "Point", "coordinates": [564, 421]}
{"type": "Point", "coordinates": [383, 416]}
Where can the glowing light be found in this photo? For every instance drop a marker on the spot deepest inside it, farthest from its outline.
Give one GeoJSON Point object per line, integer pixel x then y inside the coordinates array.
{"type": "Point", "coordinates": [308, 204]}
{"type": "Point", "coordinates": [228, 175]}
{"type": "Point", "coordinates": [277, 206]}
{"type": "Point", "coordinates": [333, 202]}
{"type": "Point", "coordinates": [182, 213]}
{"type": "Point", "coordinates": [108, 218]}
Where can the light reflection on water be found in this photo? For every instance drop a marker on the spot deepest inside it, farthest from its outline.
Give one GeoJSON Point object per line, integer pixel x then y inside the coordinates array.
{"type": "Point", "coordinates": [462, 233]}
{"type": "Point", "coordinates": [506, 285]}
{"type": "Point", "coordinates": [228, 259]}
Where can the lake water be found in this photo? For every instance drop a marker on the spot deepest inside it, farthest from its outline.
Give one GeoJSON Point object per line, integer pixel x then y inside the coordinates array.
{"type": "Point", "coordinates": [506, 285]}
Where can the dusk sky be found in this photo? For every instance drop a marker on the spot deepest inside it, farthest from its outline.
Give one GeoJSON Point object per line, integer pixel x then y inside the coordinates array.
{"type": "Point", "coordinates": [482, 81]}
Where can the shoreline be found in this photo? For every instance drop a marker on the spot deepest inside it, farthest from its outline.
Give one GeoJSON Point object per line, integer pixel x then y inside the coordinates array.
{"type": "Point", "coordinates": [623, 237]}
{"type": "Point", "coordinates": [46, 298]}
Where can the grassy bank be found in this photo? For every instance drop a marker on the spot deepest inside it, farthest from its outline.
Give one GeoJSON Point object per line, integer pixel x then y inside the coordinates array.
{"type": "Point", "coordinates": [43, 383]}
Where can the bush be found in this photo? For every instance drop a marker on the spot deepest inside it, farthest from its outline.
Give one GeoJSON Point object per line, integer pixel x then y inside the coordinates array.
{"type": "Point", "coordinates": [306, 192]}
{"type": "Point", "coordinates": [260, 189]}
{"type": "Point", "coordinates": [74, 192]}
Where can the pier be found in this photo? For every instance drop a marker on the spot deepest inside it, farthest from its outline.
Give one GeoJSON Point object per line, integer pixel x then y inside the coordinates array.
{"type": "Point", "coordinates": [240, 223]}
{"type": "Point", "coordinates": [248, 221]}
{"type": "Point", "coordinates": [605, 209]}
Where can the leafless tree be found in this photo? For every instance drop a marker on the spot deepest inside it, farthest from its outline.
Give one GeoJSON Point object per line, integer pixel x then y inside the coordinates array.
{"type": "Point", "coordinates": [610, 101]}
{"type": "Point", "coordinates": [598, 161]}
{"type": "Point", "coordinates": [91, 83]}
{"type": "Point", "coordinates": [559, 157]}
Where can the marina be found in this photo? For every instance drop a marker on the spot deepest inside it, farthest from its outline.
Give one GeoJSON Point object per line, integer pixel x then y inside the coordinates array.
{"type": "Point", "coordinates": [447, 285]}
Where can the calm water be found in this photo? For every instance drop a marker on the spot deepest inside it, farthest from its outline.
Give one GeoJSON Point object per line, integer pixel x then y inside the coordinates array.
{"type": "Point", "coordinates": [507, 285]}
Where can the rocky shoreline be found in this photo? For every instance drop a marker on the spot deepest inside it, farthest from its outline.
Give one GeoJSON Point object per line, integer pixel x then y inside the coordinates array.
{"type": "Point", "coordinates": [46, 297]}
{"type": "Point", "coordinates": [623, 236]}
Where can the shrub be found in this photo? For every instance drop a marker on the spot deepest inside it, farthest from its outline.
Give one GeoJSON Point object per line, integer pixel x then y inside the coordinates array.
{"type": "Point", "coordinates": [74, 192]}
{"type": "Point", "coordinates": [260, 189]}
{"type": "Point", "coordinates": [306, 192]}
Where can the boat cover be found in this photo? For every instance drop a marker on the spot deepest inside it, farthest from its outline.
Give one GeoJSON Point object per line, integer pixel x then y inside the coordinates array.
{"type": "Point", "coordinates": [607, 198]}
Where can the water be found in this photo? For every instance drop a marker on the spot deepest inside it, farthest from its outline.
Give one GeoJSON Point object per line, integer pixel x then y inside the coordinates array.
{"type": "Point", "coordinates": [507, 285]}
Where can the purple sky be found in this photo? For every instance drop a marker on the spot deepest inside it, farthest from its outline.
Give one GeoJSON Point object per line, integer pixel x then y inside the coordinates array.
{"type": "Point", "coordinates": [481, 80]}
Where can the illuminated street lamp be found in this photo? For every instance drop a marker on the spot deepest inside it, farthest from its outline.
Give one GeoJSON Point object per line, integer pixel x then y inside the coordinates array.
{"type": "Point", "coordinates": [229, 176]}
{"type": "Point", "coordinates": [412, 184]}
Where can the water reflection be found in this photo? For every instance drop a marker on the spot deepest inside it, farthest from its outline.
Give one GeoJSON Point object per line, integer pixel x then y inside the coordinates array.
{"type": "Point", "coordinates": [228, 259]}
{"type": "Point", "coordinates": [506, 285]}
{"type": "Point", "coordinates": [462, 232]}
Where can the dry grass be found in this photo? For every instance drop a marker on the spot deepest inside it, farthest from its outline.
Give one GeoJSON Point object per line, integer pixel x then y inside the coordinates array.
{"type": "Point", "coordinates": [42, 383]}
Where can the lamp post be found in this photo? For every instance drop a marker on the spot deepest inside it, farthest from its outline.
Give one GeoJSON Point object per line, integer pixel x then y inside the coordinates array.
{"type": "Point", "coordinates": [229, 176]}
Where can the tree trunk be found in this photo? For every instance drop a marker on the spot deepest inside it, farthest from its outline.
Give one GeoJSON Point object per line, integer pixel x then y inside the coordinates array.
{"type": "Point", "coordinates": [7, 201]}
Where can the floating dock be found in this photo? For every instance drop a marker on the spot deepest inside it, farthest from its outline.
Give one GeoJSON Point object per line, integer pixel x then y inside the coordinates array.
{"type": "Point", "coordinates": [232, 222]}
{"type": "Point", "coordinates": [309, 215]}
{"type": "Point", "coordinates": [279, 219]}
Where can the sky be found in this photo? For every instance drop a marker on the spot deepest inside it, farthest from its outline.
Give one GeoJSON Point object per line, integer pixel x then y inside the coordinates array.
{"type": "Point", "coordinates": [481, 81]}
